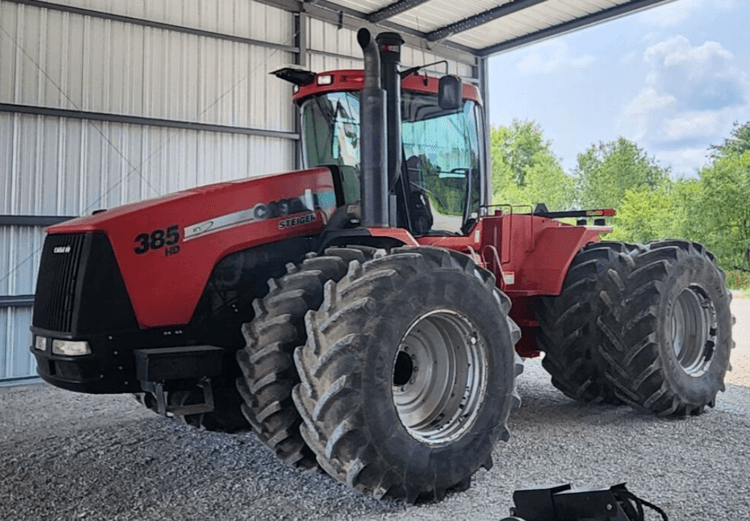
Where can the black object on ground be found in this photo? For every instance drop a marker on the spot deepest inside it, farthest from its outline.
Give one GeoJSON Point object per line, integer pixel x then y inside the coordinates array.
{"type": "Point", "coordinates": [560, 503]}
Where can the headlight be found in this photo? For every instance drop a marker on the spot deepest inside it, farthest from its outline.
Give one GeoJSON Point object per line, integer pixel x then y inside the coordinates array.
{"type": "Point", "coordinates": [70, 348]}
{"type": "Point", "coordinates": [40, 343]}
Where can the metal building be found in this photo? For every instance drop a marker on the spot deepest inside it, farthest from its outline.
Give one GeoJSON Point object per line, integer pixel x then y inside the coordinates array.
{"type": "Point", "coordinates": [104, 102]}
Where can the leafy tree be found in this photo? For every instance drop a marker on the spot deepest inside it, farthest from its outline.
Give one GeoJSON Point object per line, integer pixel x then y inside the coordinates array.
{"type": "Point", "coordinates": [524, 168]}
{"type": "Point", "coordinates": [737, 142]}
{"type": "Point", "coordinates": [685, 221]}
{"type": "Point", "coordinates": [644, 215]}
{"type": "Point", "coordinates": [518, 146]}
{"type": "Point", "coordinates": [725, 209]}
{"type": "Point", "coordinates": [607, 170]}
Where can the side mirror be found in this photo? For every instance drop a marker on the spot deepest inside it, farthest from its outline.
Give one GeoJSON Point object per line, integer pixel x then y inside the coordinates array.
{"type": "Point", "coordinates": [450, 93]}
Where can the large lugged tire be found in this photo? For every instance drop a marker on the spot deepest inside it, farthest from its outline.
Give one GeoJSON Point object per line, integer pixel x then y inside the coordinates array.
{"type": "Point", "coordinates": [669, 339]}
{"type": "Point", "coordinates": [266, 362]}
{"type": "Point", "coordinates": [407, 374]}
{"type": "Point", "coordinates": [569, 330]}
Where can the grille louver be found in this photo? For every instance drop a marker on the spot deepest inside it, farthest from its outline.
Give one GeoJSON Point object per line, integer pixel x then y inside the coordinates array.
{"type": "Point", "coordinates": [56, 285]}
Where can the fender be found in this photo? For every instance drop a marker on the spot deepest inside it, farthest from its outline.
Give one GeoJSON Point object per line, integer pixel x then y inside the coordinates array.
{"type": "Point", "coordinates": [535, 252]}
{"type": "Point", "coordinates": [529, 255]}
{"type": "Point", "coordinates": [166, 248]}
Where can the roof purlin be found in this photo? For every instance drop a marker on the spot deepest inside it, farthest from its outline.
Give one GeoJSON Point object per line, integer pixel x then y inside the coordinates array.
{"type": "Point", "coordinates": [393, 9]}
{"type": "Point", "coordinates": [481, 19]}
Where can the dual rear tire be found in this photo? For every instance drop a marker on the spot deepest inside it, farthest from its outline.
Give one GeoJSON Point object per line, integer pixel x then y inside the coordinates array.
{"type": "Point", "coordinates": [646, 325]}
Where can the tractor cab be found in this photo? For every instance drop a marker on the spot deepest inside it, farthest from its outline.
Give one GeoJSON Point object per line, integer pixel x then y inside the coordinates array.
{"type": "Point", "coordinates": [442, 151]}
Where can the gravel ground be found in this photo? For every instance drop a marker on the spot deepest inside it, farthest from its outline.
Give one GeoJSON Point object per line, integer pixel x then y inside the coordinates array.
{"type": "Point", "coordinates": [74, 456]}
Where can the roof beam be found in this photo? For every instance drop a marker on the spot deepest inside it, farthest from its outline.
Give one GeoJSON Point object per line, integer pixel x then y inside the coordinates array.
{"type": "Point", "coordinates": [578, 23]}
{"type": "Point", "coordinates": [392, 10]}
{"type": "Point", "coordinates": [412, 37]}
{"type": "Point", "coordinates": [354, 20]}
{"type": "Point", "coordinates": [481, 19]}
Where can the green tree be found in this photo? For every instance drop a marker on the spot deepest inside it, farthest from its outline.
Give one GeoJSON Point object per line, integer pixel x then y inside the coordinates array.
{"type": "Point", "coordinates": [644, 215]}
{"type": "Point", "coordinates": [724, 211]}
{"type": "Point", "coordinates": [686, 202]}
{"type": "Point", "coordinates": [605, 171]}
{"type": "Point", "coordinates": [525, 170]}
{"type": "Point", "coordinates": [737, 142]}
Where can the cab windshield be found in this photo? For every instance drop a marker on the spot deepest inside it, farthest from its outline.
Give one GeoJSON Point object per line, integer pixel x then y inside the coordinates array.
{"type": "Point", "coordinates": [441, 150]}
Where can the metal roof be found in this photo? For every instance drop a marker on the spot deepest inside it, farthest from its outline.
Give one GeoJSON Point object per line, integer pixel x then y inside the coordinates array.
{"type": "Point", "coordinates": [477, 28]}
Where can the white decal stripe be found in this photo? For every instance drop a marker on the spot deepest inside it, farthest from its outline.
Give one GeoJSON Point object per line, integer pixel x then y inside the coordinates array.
{"type": "Point", "coordinates": [219, 223]}
{"type": "Point", "coordinates": [259, 212]}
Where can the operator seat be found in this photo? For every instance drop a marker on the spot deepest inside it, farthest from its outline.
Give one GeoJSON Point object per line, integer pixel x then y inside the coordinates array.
{"type": "Point", "coordinates": [420, 204]}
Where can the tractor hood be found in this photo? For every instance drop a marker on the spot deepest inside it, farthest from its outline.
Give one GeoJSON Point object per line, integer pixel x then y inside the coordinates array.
{"type": "Point", "coordinates": [166, 248]}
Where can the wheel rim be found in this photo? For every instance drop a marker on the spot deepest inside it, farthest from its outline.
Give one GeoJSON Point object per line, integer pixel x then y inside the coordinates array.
{"type": "Point", "coordinates": [439, 377]}
{"type": "Point", "coordinates": [694, 330]}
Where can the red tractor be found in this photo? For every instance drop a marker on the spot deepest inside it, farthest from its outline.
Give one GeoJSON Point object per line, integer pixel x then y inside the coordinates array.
{"type": "Point", "coordinates": [366, 315]}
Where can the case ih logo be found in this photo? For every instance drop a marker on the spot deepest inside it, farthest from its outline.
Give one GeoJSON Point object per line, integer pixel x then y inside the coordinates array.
{"type": "Point", "coordinates": [61, 249]}
{"type": "Point", "coordinates": [308, 202]}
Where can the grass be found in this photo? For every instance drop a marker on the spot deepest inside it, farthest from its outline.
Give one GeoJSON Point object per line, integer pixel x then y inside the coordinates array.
{"type": "Point", "coordinates": [739, 280]}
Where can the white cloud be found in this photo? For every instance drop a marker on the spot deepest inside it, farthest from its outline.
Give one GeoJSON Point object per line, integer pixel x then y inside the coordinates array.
{"type": "Point", "coordinates": [694, 125]}
{"type": "Point", "coordinates": [678, 51]}
{"type": "Point", "coordinates": [684, 162]}
{"type": "Point", "coordinates": [648, 100]}
{"type": "Point", "coordinates": [690, 97]}
{"type": "Point", "coordinates": [552, 57]}
{"type": "Point", "coordinates": [638, 112]}
{"type": "Point", "coordinates": [704, 77]}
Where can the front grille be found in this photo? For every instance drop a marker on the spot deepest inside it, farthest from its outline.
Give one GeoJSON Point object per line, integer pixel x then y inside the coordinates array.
{"type": "Point", "coordinates": [56, 285]}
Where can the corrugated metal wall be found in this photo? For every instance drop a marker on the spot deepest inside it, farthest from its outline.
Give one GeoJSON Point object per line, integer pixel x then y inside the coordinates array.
{"type": "Point", "coordinates": [59, 165]}
{"type": "Point", "coordinates": [121, 76]}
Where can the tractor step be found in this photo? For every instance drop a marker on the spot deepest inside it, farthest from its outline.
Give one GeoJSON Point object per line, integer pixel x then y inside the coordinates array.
{"type": "Point", "coordinates": [163, 371]}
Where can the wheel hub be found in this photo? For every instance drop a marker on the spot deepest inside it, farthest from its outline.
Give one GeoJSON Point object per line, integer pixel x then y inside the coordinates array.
{"type": "Point", "coordinates": [439, 377]}
{"type": "Point", "coordinates": [694, 330]}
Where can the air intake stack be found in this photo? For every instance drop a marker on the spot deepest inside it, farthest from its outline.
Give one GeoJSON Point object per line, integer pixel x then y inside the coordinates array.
{"type": "Point", "coordinates": [373, 152]}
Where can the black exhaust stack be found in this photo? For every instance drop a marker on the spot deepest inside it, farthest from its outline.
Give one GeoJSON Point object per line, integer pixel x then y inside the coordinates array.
{"type": "Point", "coordinates": [373, 152]}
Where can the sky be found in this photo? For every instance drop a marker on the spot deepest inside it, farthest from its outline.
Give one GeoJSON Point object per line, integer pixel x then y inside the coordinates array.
{"type": "Point", "coordinates": [673, 79]}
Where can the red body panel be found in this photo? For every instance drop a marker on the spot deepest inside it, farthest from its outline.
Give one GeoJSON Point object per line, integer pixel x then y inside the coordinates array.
{"type": "Point", "coordinates": [535, 252]}
{"type": "Point", "coordinates": [166, 280]}
{"type": "Point", "coordinates": [395, 233]}
{"type": "Point", "coordinates": [529, 255]}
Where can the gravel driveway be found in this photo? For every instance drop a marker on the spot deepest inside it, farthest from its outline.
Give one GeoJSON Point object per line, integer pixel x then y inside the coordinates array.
{"type": "Point", "coordinates": [74, 456]}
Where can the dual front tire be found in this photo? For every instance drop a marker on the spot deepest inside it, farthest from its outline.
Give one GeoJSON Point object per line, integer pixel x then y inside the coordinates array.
{"type": "Point", "coordinates": [405, 377]}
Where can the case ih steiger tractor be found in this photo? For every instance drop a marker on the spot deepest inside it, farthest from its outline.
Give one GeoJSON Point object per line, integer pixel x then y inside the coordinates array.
{"type": "Point", "coordinates": [366, 315]}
